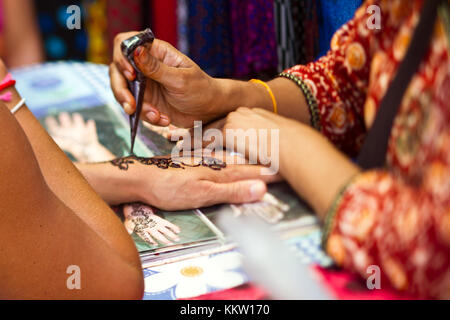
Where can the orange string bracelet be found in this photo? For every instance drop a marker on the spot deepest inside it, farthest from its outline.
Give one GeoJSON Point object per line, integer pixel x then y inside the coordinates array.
{"type": "Point", "coordinates": [272, 96]}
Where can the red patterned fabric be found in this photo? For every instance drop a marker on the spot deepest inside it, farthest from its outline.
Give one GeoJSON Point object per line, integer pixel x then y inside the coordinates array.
{"type": "Point", "coordinates": [344, 285]}
{"type": "Point", "coordinates": [397, 218]}
{"type": "Point", "coordinates": [164, 18]}
{"type": "Point", "coordinates": [123, 16]}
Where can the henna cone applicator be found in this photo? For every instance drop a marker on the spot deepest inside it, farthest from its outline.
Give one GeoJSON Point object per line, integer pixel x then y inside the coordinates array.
{"type": "Point", "coordinates": [137, 86]}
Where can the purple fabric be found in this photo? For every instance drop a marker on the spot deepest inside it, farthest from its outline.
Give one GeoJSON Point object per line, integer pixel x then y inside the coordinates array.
{"type": "Point", "coordinates": [253, 34]}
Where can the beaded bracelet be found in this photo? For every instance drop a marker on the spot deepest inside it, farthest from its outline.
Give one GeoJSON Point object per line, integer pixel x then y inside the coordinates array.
{"type": "Point", "coordinates": [332, 211]}
{"type": "Point", "coordinates": [309, 97]}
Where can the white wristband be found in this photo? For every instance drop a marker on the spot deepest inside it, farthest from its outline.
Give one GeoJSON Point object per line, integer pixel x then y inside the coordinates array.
{"type": "Point", "coordinates": [18, 106]}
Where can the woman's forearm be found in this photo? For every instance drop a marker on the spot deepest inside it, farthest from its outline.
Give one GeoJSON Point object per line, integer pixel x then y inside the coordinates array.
{"type": "Point", "coordinates": [314, 167]}
{"type": "Point", "coordinates": [112, 185]}
{"type": "Point", "coordinates": [290, 100]}
{"type": "Point", "coordinates": [70, 187]}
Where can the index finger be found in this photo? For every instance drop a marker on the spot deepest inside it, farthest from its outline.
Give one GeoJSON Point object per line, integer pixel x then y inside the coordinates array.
{"type": "Point", "coordinates": [120, 90]}
{"type": "Point", "coordinates": [119, 59]}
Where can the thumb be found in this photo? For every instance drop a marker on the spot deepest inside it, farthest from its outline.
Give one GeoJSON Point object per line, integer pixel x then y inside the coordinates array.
{"type": "Point", "coordinates": [152, 67]}
{"type": "Point", "coordinates": [238, 192]}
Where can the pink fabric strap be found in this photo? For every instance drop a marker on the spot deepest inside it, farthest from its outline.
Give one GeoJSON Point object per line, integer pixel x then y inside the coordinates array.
{"type": "Point", "coordinates": [7, 82]}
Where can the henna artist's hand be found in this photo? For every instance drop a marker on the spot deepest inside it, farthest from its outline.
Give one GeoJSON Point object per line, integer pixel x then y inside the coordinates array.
{"type": "Point", "coordinates": [178, 90]}
{"type": "Point", "coordinates": [74, 135]}
{"type": "Point", "coordinates": [302, 149]}
{"type": "Point", "coordinates": [261, 130]}
{"type": "Point", "coordinates": [142, 220]}
{"type": "Point", "coordinates": [166, 132]}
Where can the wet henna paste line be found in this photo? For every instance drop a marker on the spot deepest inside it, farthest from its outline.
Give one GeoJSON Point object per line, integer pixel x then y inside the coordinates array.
{"type": "Point", "coordinates": [166, 163]}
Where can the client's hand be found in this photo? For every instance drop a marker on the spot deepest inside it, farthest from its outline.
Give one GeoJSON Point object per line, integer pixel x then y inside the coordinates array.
{"type": "Point", "coordinates": [151, 228]}
{"type": "Point", "coordinates": [178, 90]}
{"type": "Point", "coordinates": [255, 133]}
{"type": "Point", "coordinates": [177, 184]}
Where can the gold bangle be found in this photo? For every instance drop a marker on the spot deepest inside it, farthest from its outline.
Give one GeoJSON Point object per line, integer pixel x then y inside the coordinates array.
{"type": "Point", "coordinates": [272, 96]}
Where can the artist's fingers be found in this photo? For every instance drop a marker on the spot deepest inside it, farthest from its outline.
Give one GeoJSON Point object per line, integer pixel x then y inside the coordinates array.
{"type": "Point", "coordinates": [169, 55]}
{"type": "Point", "coordinates": [150, 113]}
{"type": "Point", "coordinates": [235, 192]}
{"type": "Point", "coordinates": [166, 132]}
{"type": "Point", "coordinates": [154, 117]}
{"type": "Point", "coordinates": [154, 67]}
{"type": "Point", "coordinates": [120, 90]}
{"type": "Point", "coordinates": [158, 236]}
{"type": "Point", "coordinates": [176, 132]}
{"type": "Point", "coordinates": [164, 120]}
{"type": "Point", "coordinates": [208, 140]}
{"type": "Point", "coordinates": [119, 59]}
{"type": "Point", "coordinates": [218, 124]}
{"type": "Point", "coordinates": [208, 134]}
{"type": "Point", "coordinates": [193, 141]}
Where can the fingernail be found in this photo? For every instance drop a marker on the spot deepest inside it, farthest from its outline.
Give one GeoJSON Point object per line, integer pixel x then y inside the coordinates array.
{"type": "Point", "coordinates": [151, 115]}
{"type": "Point", "coordinates": [257, 190]}
{"type": "Point", "coordinates": [138, 51]}
{"type": "Point", "coordinates": [127, 108]}
{"type": "Point", "coordinates": [164, 120]}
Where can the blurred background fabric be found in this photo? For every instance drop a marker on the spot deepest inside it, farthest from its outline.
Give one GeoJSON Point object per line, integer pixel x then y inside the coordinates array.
{"type": "Point", "coordinates": [209, 30]}
{"type": "Point", "coordinates": [332, 14]}
{"type": "Point", "coordinates": [59, 42]}
{"type": "Point", "coordinates": [227, 38]}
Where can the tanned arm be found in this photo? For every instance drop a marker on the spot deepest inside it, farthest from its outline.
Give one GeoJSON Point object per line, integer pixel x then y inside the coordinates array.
{"type": "Point", "coordinates": [41, 236]}
{"type": "Point", "coordinates": [65, 181]}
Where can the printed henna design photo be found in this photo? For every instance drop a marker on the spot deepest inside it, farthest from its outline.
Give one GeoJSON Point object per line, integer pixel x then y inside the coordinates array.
{"type": "Point", "coordinates": [142, 220]}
